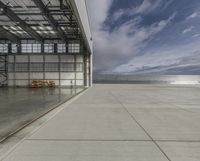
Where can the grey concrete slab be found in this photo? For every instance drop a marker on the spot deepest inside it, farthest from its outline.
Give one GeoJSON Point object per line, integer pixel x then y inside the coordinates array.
{"type": "Point", "coordinates": [181, 151]}
{"type": "Point", "coordinates": [143, 105]}
{"type": "Point", "coordinates": [86, 151]}
{"type": "Point", "coordinates": [92, 124]}
{"type": "Point", "coordinates": [103, 105]}
{"type": "Point", "coordinates": [190, 108]}
{"type": "Point", "coordinates": [168, 123]}
{"type": "Point", "coordinates": [19, 106]}
{"type": "Point", "coordinates": [96, 98]}
{"type": "Point", "coordinates": [159, 94]}
{"type": "Point", "coordinates": [98, 127]}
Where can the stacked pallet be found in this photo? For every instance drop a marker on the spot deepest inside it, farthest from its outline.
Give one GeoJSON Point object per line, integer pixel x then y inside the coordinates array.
{"type": "Point", "coordinates": [42, 83]}
{"type": "Point", "coordinates": [51, 84]}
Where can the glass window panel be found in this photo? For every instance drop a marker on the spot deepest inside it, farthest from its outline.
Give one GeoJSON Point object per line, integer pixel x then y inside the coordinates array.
{"type": "Point", "coordinates": [14, 48]}
{"type": "Point", "coordinates": [74, 48]}
{"type": "Point", "coordinates": [36, 48]}
{"type": "Point", "coordinates": [61, 48]}
{"type": "Point", "coordinates": [48, 48]}
{"type": "Point", "coordinates": [26, 48]}
{"type": "Point", "coordinates": [3, 48]}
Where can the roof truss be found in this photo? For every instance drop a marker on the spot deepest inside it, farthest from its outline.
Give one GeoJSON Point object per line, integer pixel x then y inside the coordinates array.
{"type": "Point", "coordinates": [50, 19]}
{"type": "Point", "coordinates": [8, 12]}
{"type": "Point", "coordinates": [38, 19]}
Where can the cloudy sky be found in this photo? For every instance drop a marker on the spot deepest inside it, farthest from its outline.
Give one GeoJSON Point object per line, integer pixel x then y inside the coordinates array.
{"type": "Point", "coordinates": [146, 36]}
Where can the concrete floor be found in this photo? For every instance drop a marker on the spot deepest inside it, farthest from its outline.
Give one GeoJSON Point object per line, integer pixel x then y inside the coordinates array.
{"type": "Point", "coordinates": [18, 106]}
{"type": "Point", "coordinates": [120, 123]}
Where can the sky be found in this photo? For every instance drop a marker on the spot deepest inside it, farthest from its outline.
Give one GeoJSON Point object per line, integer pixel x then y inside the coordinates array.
{"type": "Point", "coordinates": [146, 36]}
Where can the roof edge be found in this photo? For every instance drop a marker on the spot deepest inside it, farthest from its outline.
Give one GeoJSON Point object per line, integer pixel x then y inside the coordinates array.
{"type": "Point", "coordinates": [82, 15]}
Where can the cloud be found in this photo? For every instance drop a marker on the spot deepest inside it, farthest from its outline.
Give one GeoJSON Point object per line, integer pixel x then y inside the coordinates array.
{"type": "Point", "coordinates": [116, 47]}
{"type": "Point", "coordinates": [196, 35]}
{"type": "Point", "coordinates": [144, 8]}
{"type": "Point", "coordinates": [188, 30]}
{"type": "Point", "coordinates": [193, 15]}
{"type": "Point", "coordinates": [147, 6]}
{"type": "Point", "coordinates": [167, 4]}
{"type": "Point", "coordinates": [98, 12]}
{"type": "Point", "coordinates": [162, 60]}
{"type": "Point", "coordinates": [118, 14]}
{"type": "Point", "coordinates": [126, 46]}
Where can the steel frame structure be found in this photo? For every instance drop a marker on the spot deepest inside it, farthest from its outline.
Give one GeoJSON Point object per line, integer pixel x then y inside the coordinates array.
{"type": "Point", "coordinates": [43, 14]}
{"type": "Point", "coordinates": [3, 69]}
{"type": "Point", "coordinates": [41, 21]}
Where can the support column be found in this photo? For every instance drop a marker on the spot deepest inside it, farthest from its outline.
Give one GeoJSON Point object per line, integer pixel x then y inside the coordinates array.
{"type": "Point", "coordinates": [44, 60]}
{"type": "Point", "coordinates": [59, 59]}
{"type": "Point", "coordinates": [75, 70]}
{"type": "Point", "coordinates": [29, 69]}
{"type": "Point", "coordinates": [90, 57]}
{"type": "Point", "coordinates": [7, 64]}
{"type": "Point", "coordinates": [14, 62]}
{"type": "Point", "coordinates": [85, 70]}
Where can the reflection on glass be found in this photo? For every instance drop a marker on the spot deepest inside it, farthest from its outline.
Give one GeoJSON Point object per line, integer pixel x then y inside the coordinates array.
{"type": "Point", "coordinates": [20, 106]}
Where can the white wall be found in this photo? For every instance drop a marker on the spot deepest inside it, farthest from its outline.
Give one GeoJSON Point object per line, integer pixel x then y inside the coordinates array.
{"type": "Point", "coordinates": [22, 59]}
{"type": "Point", "coordinates": [64, 78]}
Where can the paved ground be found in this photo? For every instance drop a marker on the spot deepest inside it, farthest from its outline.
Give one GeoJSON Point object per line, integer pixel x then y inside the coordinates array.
{"type": "Point", "coordinates": [120, 123]}
{"type": "Point", "coordinates": [18, 106]}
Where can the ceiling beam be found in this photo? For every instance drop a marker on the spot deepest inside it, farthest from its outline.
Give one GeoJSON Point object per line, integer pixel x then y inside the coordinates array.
{"type": "Point", "coordinates": [44, 9]}
{"type": "Point", "coordinates": [37, 14]}
{"type": "Point", "coordinates": [6, 34]}
{"type": "Point", "coordinates": [9, 13]}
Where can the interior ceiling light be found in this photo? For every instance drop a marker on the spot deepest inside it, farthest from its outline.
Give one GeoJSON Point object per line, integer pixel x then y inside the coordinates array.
{"type": "Point", "coordinates": [46, 32]}
{"type": "Point", "coordinates": [52, 32]}
{"type": "Point", "coordinates": [48, 28]}
{"type": "Point", "coordinates": [39, 32]}
{"type": "Point", "coordinates": [5, 27]}
{"type": "Point", "coordinates": [20, 32]}
{"type": "Point", "coordinates": [13, 32]}
{"type": "Point", "coordinates": [19, 27]}
{"type": "Point", "coordinates": [41, 27]}
{"type": "Point", "coordinates": [13, 28]}
{"type": "Point", "coordinates": [34, 28]}
{"type": "Point", "coordinates": [63, 28]}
